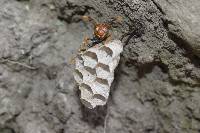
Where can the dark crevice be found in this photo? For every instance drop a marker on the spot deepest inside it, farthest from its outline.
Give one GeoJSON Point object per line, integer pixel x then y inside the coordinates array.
{"type": "Point", "coordinates": [188, 50]}
{"type": "Point", "coordinates": [181, 43]}
{"type": "Point", "coordinates": [145, 69]}
{"type": "Point", "coordinates": [7, 130]}
{"type": "Point", "coordinates": [94, 117]}
{"type": "Point", "coordinates": [163, 67]}
{"type": "Point", "coordinates": [166, 22]}
{"type": "Point", "coordinates": [158, 7]}
{"type": "Point", "coordinates": [10, 126]}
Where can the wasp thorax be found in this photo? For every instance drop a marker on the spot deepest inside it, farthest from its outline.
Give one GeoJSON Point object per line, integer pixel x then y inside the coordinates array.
{"type": "Point", "coordinates": [101, 30]}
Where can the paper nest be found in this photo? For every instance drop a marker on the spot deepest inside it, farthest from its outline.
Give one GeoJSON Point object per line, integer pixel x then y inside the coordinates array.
{"type": "Point", "coordinates": [94, 72]}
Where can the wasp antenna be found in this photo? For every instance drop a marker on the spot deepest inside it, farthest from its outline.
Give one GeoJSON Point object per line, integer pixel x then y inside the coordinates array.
{"type": "Point", "coordinates": [89, 19]}
{"type": "Point", "coordinates": [116, 20]}
{"type": "Point", "coordinates": [85, 18]}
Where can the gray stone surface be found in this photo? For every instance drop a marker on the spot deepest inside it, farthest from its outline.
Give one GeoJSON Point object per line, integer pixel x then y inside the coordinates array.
{"type": "Point", "coordinates": [183, 18]}
{"type": "Point", "coordinates": [157, 84]}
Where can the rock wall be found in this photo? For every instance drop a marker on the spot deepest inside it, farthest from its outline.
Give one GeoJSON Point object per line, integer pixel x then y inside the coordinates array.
{"type": "Point", "coordinates": [156, 86]}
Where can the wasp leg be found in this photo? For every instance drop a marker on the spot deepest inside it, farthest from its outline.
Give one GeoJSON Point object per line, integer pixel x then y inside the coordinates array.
{"type": "Point", "coordinates": [86, 41]}
{"type": "Point", "coordinates": [115, 20]}
{"type": "Point", "coordinates": [94, 42]}
{"type": "Point", "coordinates": [90, 45]}
{"type": "Point", "coordinates": [84, 45]}
{"type": "Point", "coordinates": [82, 48]}
{"type": "Point", "coordinates": [72, 60]}
{"type": "Point", "coordinates": [108, 39]}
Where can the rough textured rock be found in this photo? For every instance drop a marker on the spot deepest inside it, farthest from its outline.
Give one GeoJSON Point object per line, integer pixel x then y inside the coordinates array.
{"type": "Point", "coordinates": [157, 85]}
{"type": "Point", "coordinates": [183, 21]}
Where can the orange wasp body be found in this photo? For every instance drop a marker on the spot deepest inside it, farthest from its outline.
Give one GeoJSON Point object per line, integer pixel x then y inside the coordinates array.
{"type": "Point", "coordinates": [101, 31]}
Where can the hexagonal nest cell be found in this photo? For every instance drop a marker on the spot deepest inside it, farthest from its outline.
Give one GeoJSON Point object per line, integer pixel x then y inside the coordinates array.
{"type": "Point", "coordinates": [94, 72]}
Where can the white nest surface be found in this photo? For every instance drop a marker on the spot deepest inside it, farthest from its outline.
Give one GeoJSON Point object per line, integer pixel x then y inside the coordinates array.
{"type": "Point", "coordinates": [94, 72]}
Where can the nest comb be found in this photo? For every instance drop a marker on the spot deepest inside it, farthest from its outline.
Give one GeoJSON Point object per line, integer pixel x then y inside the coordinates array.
{"type": "Point", "coordinates": [94, 72]}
